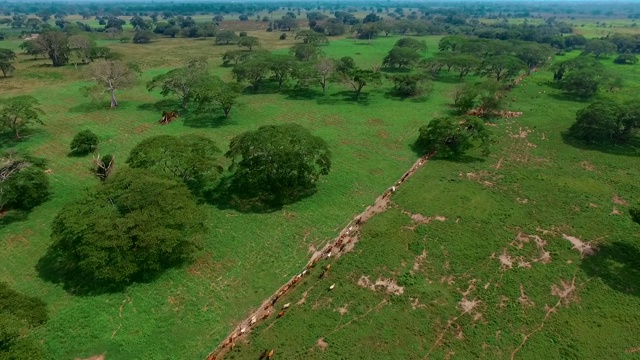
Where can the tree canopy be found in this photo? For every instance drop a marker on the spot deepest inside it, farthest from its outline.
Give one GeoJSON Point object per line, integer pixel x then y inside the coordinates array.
{"type": "Point", "coordinates": [189, 158]}
{"type": "Point", "coordinates": [23, 183]}
{"type": "Point", "coordinates": [451, 137]}
{"type": "Point", "coordinates": [606, 121]}
{"type": "Point", "coordinates": [7, 57]}
{"type": "Point", "coordinates": [401, 57]}
{"type": "Point", "coordinates": [84, 142]}
{"type": "Point", "coordinates": [19, 314]}
{"type": "Point", "coordinates": [18, 112]}
{"type": "Point", "coordinates": [278, 162]}
{"type": "Point", "coordinates": [131, 227]}
{"type": "Point", "coordinates": [182, 81]}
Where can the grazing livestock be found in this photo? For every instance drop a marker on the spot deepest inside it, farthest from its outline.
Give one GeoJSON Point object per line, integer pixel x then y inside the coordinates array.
{"type": "Point", "coordinates": [253, 320]}
{"type": "Point", "coordinates": [281, 314]}
{"type": "Point", "coordinates": [266, 315]}
{"type": "Point", "coordinates": [271, 353]}
{"type": "Point", "coordinates": [168, 116]}
{"type": "Point", "coordinates": [331, 287]}
{"type": "Point", "coordinates": [286, 306]}
{"type": "Point", "coordinates": [263, 355]}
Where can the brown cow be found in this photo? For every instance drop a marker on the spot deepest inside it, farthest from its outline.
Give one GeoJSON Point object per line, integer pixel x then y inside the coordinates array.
{"type": "Point", "coordinates": [281, 314]}
{"type": "Point", "coordinates": [168, 116]}
{"type": "Point", "coordinates": [271, 353]}
{"type": "Point", "coordinates": [263, 355]}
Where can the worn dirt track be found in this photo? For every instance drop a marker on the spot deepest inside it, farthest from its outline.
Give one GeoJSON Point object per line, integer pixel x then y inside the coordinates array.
{"type": "Point", "coordinates": [342, 244]}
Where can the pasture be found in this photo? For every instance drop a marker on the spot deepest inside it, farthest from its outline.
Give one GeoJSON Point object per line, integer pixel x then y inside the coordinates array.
{"type": "Point", "coordinates": [472, 269]}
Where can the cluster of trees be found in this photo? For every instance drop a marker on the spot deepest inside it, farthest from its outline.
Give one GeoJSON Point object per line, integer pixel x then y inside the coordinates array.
{"type": "Point", "coordinates": [192, 84]}
{"type": "Point", "coordinates": [145, 218]}
{"type": "Point", "coordinates": [59, 47]}
{"type": "Point", "coordinates": [498, 59]}
{"type": "Point", "coordinates": [584, 76]}
{"type": "Point", "coordinates": [19, 315]}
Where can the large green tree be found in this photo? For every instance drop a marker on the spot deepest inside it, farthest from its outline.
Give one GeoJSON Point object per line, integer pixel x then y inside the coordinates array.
{"type": "Point", "coordinates": [19, 314]}
{"type": "Point", "coordinates": [278, 162]}
{"type": "Point", "coordinates": [599, 48]}
{"type": "Point", "coordinates": [606, 121]}
{"type": "Point", "coordinates": [254, 70]}
{"type": "Point", "coordinates": [356, 78]}
{"type": "Point", "coordinates": [133, 226]}
{"type": "Point", "coordinates": [249, 42]}
{"type": "Point", "coordinates": [401, 57]}
{"type": "Point", "coordinates": [451, 137]}
{"type": "Point", "coordinates": [18, 112]}
{"type": "Point", "coordinates": [23, 183]}
{"type": "Point", "coordinates": [189, 158]}
{"type": "Point", "coordinates": [501, 67]}
{"type": "Point", "coordinates": [7, 58]}
{"type": "Point", "coordinates": [182, 81]}
{"type": "Point", "coordinates": [214, 94]}
{"type": "Point", "coordinates": [56, 45]}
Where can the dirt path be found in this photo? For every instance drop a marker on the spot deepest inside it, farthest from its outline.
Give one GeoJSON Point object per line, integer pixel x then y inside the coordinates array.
{"type": "Point", "coordinates": [342, 244]}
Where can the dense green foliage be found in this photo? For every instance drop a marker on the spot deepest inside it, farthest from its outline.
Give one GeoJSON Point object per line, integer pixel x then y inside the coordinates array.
{"type": "Point", "coordinates": [279, 162]}
{"type": "Point", "coordinates": [132, 227]}
{"type": "Point", "coordinates": [23, 183]}
{"type": "Point", "coordinates": [182, 81]}
{"type": "Point", "coordinates": [18, 315]}
{"type": "Point", "coordinates": [606, 121]}
{"type": "Point", "coordinates": [189, 158]}
{"type": "Point", "coordinates": [84, 142]}
{"type": "Point", "coordinates": [18, 112]}
{"type": "Point", "coordinates": [7, 58]}
{"type": "Point", "coordinates": [452, 137]}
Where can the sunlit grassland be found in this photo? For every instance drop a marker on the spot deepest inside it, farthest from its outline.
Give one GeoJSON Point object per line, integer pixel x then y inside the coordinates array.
{"type": "Point", "coordinates": [534, 183]}
{"type": "Point", "coordinates": [186, 312]}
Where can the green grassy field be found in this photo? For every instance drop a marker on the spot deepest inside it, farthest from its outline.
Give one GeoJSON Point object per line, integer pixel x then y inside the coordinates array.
{"type": "Point", "coordinates": [188, 311]}
{"type": "Point", "coordinates": [497, 268]}
{"type": "Point", "coordinates": [541, 183]}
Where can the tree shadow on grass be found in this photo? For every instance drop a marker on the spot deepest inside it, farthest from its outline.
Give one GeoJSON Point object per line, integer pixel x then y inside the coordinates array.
{"type": "Point", "coordinates": [462, 159]}
{"type": "Point", "coordinates": [162, 105]}
{"type": "Point", "coordinates": [201, 121]}
{"type": "Point", "coordinates": [53, 269]}
{"type": "Point", "coordinates": [12, 216]}
{"type": "Point", "coordinates": [631, 148]}
{"type": "Point", "coordinates": [227, 195]}
{"type": "Point", "coordinates": [561, 96]}
{"type": "Point", "coordinates": [618, 265]}
{"type": "Point", "coordinates": [393, 95]}
{"type": "Point", "coordinates": [345, 96]}
{"type": "Point", "coordinates": [302, 94]}
{"type": "Point", "coordinates": [395, 70]}
{"type": "Point", "coordinates": [93, 106]}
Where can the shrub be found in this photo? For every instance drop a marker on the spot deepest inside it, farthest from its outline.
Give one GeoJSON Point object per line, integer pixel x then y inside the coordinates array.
{"type": "Point", "coordinates": [283, 36]}
{"type": "Point", "coordinates": [84, 142]}
{"type": "Point", "coordinates": [242, 34]}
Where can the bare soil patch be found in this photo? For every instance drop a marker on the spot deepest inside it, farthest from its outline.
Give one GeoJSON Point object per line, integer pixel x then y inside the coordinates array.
{"type": "Point", "coordinates": [389, 285]}
{"type": "Point", "coordinates": [322, 344]}
{"type": "Point", "coordinates": [95, 357]}
{"type": "Point", "coordinates": [587, 166]}
{"type": "Point", "coordinates": [581, 246]}
{"type": "Point", "coordinates": [618, 200]}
